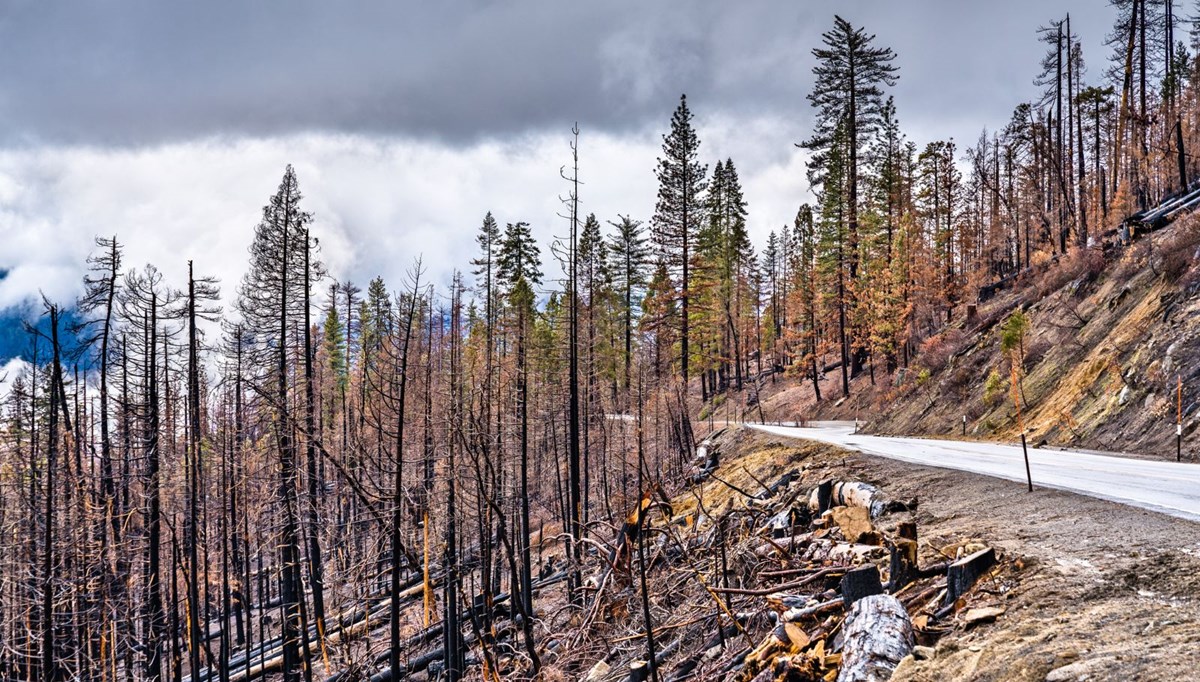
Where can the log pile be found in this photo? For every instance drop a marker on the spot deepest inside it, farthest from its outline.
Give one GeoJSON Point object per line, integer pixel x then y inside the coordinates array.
{"type": "Point", "coordinates": [822, 580]}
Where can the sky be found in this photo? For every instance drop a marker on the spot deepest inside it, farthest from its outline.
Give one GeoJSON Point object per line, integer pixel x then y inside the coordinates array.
{"type": "Point", "coordinates": [169, 124]}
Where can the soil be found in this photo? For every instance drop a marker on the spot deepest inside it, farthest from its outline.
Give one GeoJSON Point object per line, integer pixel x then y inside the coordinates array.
{"type": "Point", "coordinates": [1095, 590]}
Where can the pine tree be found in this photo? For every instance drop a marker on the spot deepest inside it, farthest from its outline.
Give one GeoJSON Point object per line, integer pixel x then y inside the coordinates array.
{"type": "Point", "coordinates": [101, 287]}
{"type": "Point", "coordinates": [269, 299]}
{"type": "Point", "coordinates": [679, 211]}
{"type": "Point", "coordinates": [629, 256]}
{"type": "Point", "coordinates": [848, 98]}
{"type": "Point", "coordinates": [335, 348]}
{"type": "Point", "coordinates": [519, 267]}
{"type": "Point", "coordinates": [804, 269]}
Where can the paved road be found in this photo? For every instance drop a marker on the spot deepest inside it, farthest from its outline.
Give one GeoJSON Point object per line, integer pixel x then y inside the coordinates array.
{"type": "Point", "coordinates": [1167, 487]}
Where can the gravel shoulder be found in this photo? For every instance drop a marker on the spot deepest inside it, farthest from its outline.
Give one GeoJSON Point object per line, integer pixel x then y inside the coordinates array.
{"type": "Point", "coordinates": [1097, 591]}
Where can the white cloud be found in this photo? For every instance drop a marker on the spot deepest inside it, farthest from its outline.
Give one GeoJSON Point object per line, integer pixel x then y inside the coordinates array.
{"type": "Point", "coordinates": [9, 372]}
{"type": "Point", "coordinates": [378, 203]}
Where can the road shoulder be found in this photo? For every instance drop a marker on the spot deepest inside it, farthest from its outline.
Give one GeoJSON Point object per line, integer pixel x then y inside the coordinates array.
{"type": "Point", "coordinates": [1107, 588]}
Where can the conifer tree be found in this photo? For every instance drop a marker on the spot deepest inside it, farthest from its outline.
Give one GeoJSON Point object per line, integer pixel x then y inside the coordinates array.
{"type": "Point", "coordinates": [629, 256]}
{"type": "Point", "coordinates": [519, 268]}
{"type": "Point", "coordinates": [679, 211]}
{"type": "Point", "coordinates": [848, 97]}
{"type": "Point", "coordinates": [270, 296]}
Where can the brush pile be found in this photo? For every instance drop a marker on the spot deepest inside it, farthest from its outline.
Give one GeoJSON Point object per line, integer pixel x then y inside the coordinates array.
{"type": "Point", "coordinates": [798, 577]}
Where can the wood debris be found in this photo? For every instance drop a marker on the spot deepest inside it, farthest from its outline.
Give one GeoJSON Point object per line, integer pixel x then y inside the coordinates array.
{"type": "Point", "coordinates": [805, 578]}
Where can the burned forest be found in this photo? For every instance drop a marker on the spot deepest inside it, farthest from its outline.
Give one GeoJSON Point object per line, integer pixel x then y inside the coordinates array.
{"type": "Point", "coordinates": [296, 420]}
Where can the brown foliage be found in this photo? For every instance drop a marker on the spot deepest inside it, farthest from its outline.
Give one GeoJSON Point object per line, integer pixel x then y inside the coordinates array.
{"type": "Point", "coordinates": [937, 350]}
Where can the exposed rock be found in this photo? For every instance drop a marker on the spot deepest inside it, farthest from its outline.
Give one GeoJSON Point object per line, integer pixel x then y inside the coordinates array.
{"type": "Point", "coordinates": [1081, 670]}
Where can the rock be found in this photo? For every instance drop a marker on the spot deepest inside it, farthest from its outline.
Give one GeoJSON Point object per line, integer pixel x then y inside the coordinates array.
{"type": "Point", "coordinates": [982, 615]}
{"type": "Point", "coordinates": [1123, 396]}
{"type": "Point", "coordinates": [1081, 670]}
{"type": "Point", "coordinates": [924, 653]}
{"type": "Point", "coordinates": [598, 672]}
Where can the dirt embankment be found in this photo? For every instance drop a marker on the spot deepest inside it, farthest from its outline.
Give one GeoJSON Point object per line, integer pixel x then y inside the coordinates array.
{"type": "Point", "coordinates": [1111, 338]}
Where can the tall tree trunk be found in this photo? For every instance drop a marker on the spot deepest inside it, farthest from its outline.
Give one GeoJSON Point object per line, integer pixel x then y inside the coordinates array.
{"type": "Point", "coordinates": [397, 545]}
{"type": "Point", "coordinates": [155, 625]}
{"type": "Point", "coordinates": [574, 498]}
{"type": "Point", "coordinates": [191, 534]}
{"type": "Point", "coordinates": [316, 569]}
{"type": "Point", "coordinates": [289, 578]}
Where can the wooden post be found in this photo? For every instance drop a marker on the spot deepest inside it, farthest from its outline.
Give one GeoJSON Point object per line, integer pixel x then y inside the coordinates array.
{"type": "Point", "coordinates": [1016, 396]}
{"type": "Point", "coordinates": [964, 425]}
{"type": "Point", "coordinates": [1025, 449]}
{"type": "Point", "coordinates": [1179, 419]}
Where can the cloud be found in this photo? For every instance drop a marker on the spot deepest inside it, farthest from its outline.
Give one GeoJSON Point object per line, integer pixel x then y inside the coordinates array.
{"type": "Point", "coordinates": [138, 72]}
{"type": "Point", "coordinates": [169, 124]}
{"type": "Point", "coordinates": [378, 202]}
{"type": "Point", "coordinates": [9, 372]}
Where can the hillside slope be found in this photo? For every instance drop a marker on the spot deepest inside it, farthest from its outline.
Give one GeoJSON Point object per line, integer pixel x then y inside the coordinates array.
{"type": "Point", "coordinates": [1112, 331]}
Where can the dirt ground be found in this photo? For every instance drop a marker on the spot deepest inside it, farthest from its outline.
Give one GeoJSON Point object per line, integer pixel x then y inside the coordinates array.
{"type": "Point", "coordinates": [1095, 591]}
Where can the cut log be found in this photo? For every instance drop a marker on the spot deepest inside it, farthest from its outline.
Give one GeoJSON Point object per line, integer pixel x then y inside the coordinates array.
{"type": "Point", "coordinates": [820, 608]}
{"type": "Point", "coordinates": [841, 553]}
{"type": "Point", "coordinates": [782, 545]}
{"type": "Point", "coordinates": [639, 671]}
{"type": "Point", "coordinates": [855, 522]}
{"type": "Point", "coordinates": [597, 672]}
{"type": "Point", "coordinates": [877, 634]}
{"type": "Point", "coordinates": [860, 583]}
{"type": "Point", "coordinates": [708, 457]}
{"type": "Point", "coordinates": [777, 643]}
{"type": "Point", "coordinates": [787, 521]}
{"type": "Point", "coordinates": [850, 494]}
{"type": "Point", "coordinates": [962, 574]}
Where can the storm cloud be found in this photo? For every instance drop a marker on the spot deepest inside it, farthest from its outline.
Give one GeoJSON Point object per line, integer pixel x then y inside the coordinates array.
{"type": "Point", "coordinates": [147, 72]}
{"type": "Point", "coordinates": [168, 124]}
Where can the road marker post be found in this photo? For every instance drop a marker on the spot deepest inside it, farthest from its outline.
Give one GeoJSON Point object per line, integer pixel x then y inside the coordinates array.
{"type": "Point", "coordinates": [1028, 475]}
{"type": "Point", "coordinates": [1016, 396]}
{"type": "Point", "coordinates": [1179, 419]}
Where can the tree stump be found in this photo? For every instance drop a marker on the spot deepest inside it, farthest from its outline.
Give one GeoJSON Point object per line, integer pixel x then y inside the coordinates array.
{"type": "Point", "coordinates": [824, 494]}
{"type": "Point", "coordinates": [902, 565]}
{"type": "Point", "coordinates": [962, 574]}
{"type": "Point", "coordinates": [860, 583]}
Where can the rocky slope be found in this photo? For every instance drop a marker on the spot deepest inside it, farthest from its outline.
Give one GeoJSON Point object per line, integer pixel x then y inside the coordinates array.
{"type": "Point", "coordinates": [1113, 332]}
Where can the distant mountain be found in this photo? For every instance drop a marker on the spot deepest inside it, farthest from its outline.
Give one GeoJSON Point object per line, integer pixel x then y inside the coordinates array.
{"type": "Point", "coordinates": [15, 341]}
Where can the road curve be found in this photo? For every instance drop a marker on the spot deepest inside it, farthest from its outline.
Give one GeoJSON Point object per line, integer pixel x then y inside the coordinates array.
{"type": "Point", "coordinates": [1166, 487]}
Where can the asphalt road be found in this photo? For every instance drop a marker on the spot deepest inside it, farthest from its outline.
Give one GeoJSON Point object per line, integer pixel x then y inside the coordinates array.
{"type": "Point", "coordinates": [1167, 487]}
